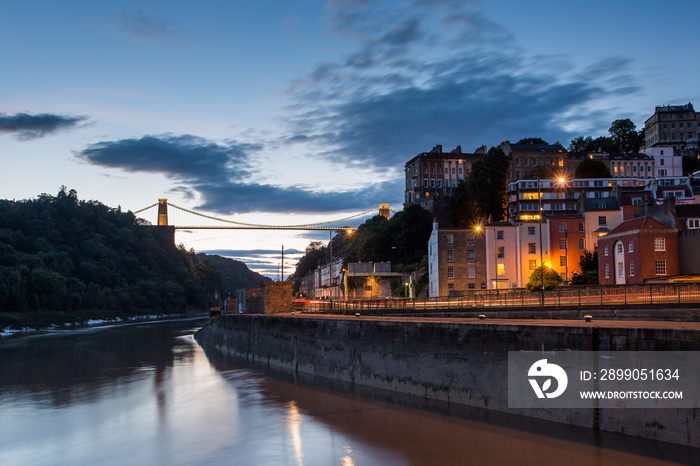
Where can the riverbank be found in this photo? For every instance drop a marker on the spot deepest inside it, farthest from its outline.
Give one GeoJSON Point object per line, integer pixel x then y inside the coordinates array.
{"type": "Point", "coordinates": [460, 361]}
{"type": "Point", "coordinates": [28, 322]}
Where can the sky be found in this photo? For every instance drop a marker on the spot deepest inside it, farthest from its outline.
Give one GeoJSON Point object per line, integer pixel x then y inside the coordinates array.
{"type": "Point", "coordinates": [283, 113]}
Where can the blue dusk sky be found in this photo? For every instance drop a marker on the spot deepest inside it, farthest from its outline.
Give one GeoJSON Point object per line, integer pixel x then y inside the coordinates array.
{"type": "Point", "coordinates": [288, 112]}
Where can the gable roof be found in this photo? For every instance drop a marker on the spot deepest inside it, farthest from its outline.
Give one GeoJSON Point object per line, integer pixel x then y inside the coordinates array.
{"type": "Point", "coordinates": [640, 223]}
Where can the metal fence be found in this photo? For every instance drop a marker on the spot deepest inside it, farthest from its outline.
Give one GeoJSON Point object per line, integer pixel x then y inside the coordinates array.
{"type": "Point", "coordinates": [672, 293]}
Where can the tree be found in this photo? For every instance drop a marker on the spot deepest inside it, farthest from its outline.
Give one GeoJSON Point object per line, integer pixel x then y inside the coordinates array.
{"type": "Point", "coordinates": [589, 168]}
{"type": "Point", "coordinates": [487, 184]}
{"type": "Point", "coordinates": [581, 144]}
{"type": "Point", "coordinates": [533, 141]}
{"type": "Point", "coordinates": [551, 279]}
{"type": "Point", "coordinates": [625, 136]}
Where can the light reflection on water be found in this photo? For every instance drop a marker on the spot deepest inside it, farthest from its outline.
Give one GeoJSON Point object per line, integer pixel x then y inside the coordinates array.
{"type": "Point", "coordinates": [148, 394]}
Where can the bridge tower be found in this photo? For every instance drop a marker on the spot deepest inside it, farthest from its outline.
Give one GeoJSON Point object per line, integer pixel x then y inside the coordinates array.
{"type": "Point", "coordinates": [384, 211]}
{"type": "Point", "coordinates": [162, 212]}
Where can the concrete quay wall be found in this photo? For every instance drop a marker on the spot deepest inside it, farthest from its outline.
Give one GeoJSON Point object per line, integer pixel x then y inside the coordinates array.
{"type": "Point", "coordinates": [458, 362]}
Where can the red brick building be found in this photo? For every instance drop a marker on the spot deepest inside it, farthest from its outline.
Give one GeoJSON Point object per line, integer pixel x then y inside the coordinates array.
{"type": "Point", "coordinates": [638, 250]}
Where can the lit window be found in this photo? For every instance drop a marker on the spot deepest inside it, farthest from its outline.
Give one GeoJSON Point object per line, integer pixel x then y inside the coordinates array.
{"type": "Point", "coordinates": [659, 243]}
{"type": "Point", "coordinates": [501, 269]}
{"type": "Point", "coordinates": [532, 264]}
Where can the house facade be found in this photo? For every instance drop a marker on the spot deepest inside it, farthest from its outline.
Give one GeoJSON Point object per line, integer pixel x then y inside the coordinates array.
{"type": "Point", "coordinates": [636, 251]}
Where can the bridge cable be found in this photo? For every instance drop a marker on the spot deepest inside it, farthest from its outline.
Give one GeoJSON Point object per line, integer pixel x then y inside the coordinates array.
{"type": "Point", "coordinates": [267, 226]}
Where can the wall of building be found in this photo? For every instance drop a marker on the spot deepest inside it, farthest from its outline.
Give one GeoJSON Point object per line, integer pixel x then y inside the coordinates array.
{"type": "Point", "coordinates": [462, 363]}
{"type": "Point", "coordinates": [276, 297]}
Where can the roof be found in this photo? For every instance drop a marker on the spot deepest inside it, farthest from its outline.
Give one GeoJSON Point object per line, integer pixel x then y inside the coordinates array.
{"type": "Point", "coordinates": [601, 203]}
{"type": "Point", "coordinates": [641, 223]}
{"type": "Point", "coordinates": [537, 148]}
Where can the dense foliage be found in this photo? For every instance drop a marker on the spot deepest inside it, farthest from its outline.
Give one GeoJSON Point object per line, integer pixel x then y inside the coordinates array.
{"type": "Point", "coordinates": [64, 254]}
{"type": "Point", "coordinates": [403, 240]}
{"type": "Point", "coordinates": [624, 137]}
{"type": "Point", "coordinates": [551, 279]}
{"type": "Point", "coordinates": [235, 274]}
{"type": "Point", "coordinates": [483, 193]}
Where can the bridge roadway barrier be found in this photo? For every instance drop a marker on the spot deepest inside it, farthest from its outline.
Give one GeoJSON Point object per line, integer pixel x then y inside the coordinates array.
{"type": "Point", "coordinates": [458, 361]}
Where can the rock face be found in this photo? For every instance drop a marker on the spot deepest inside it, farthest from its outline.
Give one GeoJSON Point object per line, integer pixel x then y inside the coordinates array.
{"type": "Point", "coordinates": [462, 363]}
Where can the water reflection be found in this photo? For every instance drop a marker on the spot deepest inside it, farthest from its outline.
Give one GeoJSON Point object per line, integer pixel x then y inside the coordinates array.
{"type": "Point", "coordinates": [148, 394]}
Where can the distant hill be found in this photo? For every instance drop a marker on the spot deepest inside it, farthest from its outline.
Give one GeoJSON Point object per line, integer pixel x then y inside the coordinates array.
{"type": "Point", "coordinates": [235, 274]}
{"type": "Point", "coordinates": [62, 254]}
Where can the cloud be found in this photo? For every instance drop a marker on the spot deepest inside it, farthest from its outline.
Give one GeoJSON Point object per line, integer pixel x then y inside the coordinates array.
{"type": "Point", "coordinates": [26, 127]}
{"type": "Point", "coordinates": [222, 175]}
{"type": "Point", "coordinates": [148, 27]}
{"type": "Point", "coordinates": [439, 72]}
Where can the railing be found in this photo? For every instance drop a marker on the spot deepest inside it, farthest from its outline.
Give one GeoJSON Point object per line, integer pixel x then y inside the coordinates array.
{"type": "Point", "coordinates": [672, 293]}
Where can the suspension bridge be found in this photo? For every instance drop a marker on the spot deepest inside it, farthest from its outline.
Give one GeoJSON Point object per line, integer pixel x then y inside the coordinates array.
{"type": "Point", "coordinates": [217, 223]}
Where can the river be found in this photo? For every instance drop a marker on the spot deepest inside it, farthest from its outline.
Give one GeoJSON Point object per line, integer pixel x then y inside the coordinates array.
{"type": "Point", "coordinates": [147, 394]}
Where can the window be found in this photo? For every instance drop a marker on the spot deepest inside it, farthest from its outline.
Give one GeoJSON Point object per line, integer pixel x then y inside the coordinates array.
{"type": "Point", "coordinates": [662, 162]}
{"type": "Point", "coordinates": [582, 244]}
{"type": "Point", "coordinates": [620, 248]}
{"type": "Point", "coordinates": [630, 247]}
{"type": "Point", "coordinates": [531, 248]}
{"type": "Point", "coordinates": [605, 251]}
{"type": "Point", "coordinates": [450, 255]}
{"type": "Point", "coordinates": [450, 272]}
{"type": "Point", "coordinates": [607, 270]}
{"type": "Point", "coordinates": [471, 286]}
{"type": "Point", "coordinates": [470, 255]}
{"type": "Point", "coordinates": [562, 261]}
{"type": "Point", "coordinates": [501, 269]}
{"type": "Point", "coordinates": [471, 272]}
{"type": "Point", "coordinates": [499, 234]}
{"type": "Point", "coordinates": [532, 264]}
{"type": "Point", "coordinates": [602, 220]}
{"type": "Point", "coordinates": [449, 238]}
{"type": "Point", "coordinates": [432, 183]}
{"type": "Point", "coordinates": [620, 269]}
{"type": "Point", "coordinates": [432, 169]}
{"type": "Point", "coordinates": [500, 252]}
{"type": "Point", "coordinates": [562, 244]}
{"type": "Point", "coordinates": [693, 223]}
{"type": "Point", "coordinates": [562, 227]}
{"type": "Point", "coordinates": [659, 243]}
{"type": "Point", "coordinates": [470, 238]}
{"type": "Point", "coordinates": [531, 231]}
{"type": "Point", "coordinates": [450, 286]}
{"type": "Point", "coordinates": [581, 228]}
{"type": "Point", "coordinates": [425, 182]}
{"type": "Point", "coordinates": [439, 183]}
{"type": "Point", "coordinates": [660, 267]}
{"type": "Point", "coordinates": [631, 267]}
